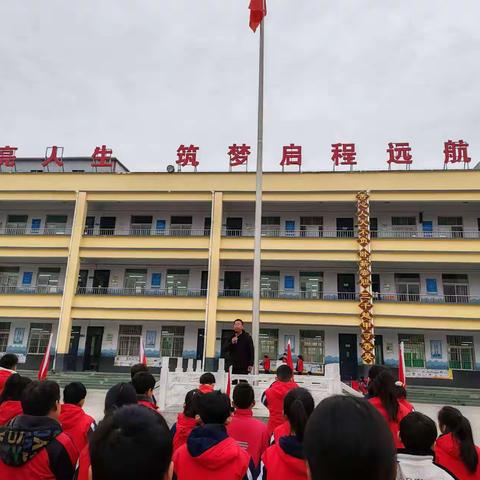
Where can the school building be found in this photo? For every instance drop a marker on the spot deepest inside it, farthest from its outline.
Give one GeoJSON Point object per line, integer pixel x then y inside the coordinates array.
{"type": "Point", "coordinates": [103, 259]}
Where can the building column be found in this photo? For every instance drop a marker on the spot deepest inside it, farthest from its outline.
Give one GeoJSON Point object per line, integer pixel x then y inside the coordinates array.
{"type": "Point", "coordinates": [71, 277]}
{"type": "Point", "coordinates": [213, 281]}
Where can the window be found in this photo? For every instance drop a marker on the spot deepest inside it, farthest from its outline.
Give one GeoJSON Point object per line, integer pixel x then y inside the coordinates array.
{"type": "Point", "coordinates": [312, 346]}
{"type": "Point", "coordinates": [129, 340]}
{"type": "Point", "coordinates": [455, 288]}
{"type": "Point", "coordinates": [271, 226]}
{"type": "Point", "coordinates": [180, 226]}
{"type": "Point", "coordinates": [450, 227]}
{"type": "Point", "coordinates": [8, 279]}
{"type": "Point", "coordinates": [56, 224]}
{"type": "Point", "coordinates": [311, 284]}
{"type": "Point", "coordinates": [39, 338]}
{"type": "Point", "coordinates": [269, 284]}
{"type": "Point", "coordinates": [269, 342]}
{"type": "Point", "coordinates": [141, 224]}
{"type": "Point", "coordinates": [47, 280]}
{"type": "Point", "coordinates": [408, 287]}
{"type": "Point", "coordinates": [404, 226]}
{"type": "Point", "coordinates": [16, 224]}
{"type": "Point", "coordinates": [4, 334]}
{"type": "Point", "coordinates": [311, 226]}
{"type": "Point", "coordinates": [172, 341]}
{"type": "Point", "coordinates": [135, 280]}
{"type": "Point", "coordinates": [177, 282]}
{"type": "Point", "coordinates": [414, 350]}
{"type": "Point", "coordinates": [461, 353]}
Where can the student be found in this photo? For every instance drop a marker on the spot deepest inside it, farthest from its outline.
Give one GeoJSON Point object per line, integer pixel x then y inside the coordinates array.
{"type": "Point", "coordinates": [266, 364]}
{"type": "Point", "coordinates": [299, 367]}
{"type": "Point", "coordinates": [207, 383]}
{"type": "Point", "coordinates": [137, 368]}
{"type": "Point", "coordinates": [10, 404]}
{"type": "Point", "coordinates": [372, 375]}
{"type": "Point", "coordinates": [286, 459]}
{"type": "Point", "coordinates": [210, 453]}
{"type": "Point", "coordinates": [144, 383]}
{"type": "Point", "coordinates": [249, 432]}
{"type": "Point", "coordinates": [75, 422]}
{"type": "Point", "coordinates": [133, 442]}
{"type": "Point", "coordinates": [384, 399]}
{"type": "Point", "coordinates": [455, 449]}
{"type": "Point", "coordinates": [8, 366]}
{"type": "Point", "coordinates": [346, 438]}
{"type": "Point", "coordinates": [401, 392]}
{"type": "Point", "coordinates": [418, 433]}
{"type": "Point", "coordinates": [186, 421]}
{"type": "Point", "coordinates": [33, 446]}
{"type": "Point", "coordinates": [274, 396]}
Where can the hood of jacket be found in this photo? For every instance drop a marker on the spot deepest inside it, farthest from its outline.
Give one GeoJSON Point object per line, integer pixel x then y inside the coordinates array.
{"type": "Point", "coordinates": [9, 409]}
{"type": "Point", "coordinates": [25, 436]}
{"type": "Point", "coordinates": [289, 454]}
{"type": "Point", "coordinates": [448, 445]}
{"type": "Point", "coordinates": [183, 427]}
{"type": "Point", "coordinates": [71, 416]}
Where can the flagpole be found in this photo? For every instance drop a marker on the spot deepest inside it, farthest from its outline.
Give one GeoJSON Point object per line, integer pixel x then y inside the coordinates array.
{"type": "Point", "coordinates": [258, 206]}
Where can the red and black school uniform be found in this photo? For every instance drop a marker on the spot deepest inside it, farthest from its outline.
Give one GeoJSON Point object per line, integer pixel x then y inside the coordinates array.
{"type": "Point", "coordinates": [273, 399]}
{"type": "Point", "coordinates": [77, 424]}
{"type": "Point", "coordinates": [181, 430]}
{"type": "Point", "coordinates": [9, 409]}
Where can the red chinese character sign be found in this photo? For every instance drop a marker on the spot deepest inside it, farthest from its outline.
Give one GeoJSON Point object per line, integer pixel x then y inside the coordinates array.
{"type": "Point", "coordinates": [456, 152]}
{"type": "Point", "coordinates": [344, 154]}
{"type": "Point", "coordinates": [8, 156]}
{"type": "Point", "coordinates": [238, 155]}
{"type": "Point", "coordinates": [399, 153]}
{"type": "Point", "coordinates": [187, 156]}
{"type": "Point", "coordinates": [102, 157]}
{"type": "Point", "coordinates": [292, 155]}
{"type": "Point", "coordinates": [54, 155]}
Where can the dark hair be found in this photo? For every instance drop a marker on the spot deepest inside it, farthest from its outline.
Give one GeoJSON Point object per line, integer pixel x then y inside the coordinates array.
{"type": "Point", "coordinates": [372, 375]}
{"type": "Point", "coordinates": [74, 393]}
{"type": "Point", "coordinates": [300, 357]}
{"type": "Point", "coordinates": [189, 407]}
{"type": "Point", "coordinates": [9, 360]}
{"type": "Point", "coordinates": [346, 437]}
{"type": "Point", "coordinates": [243, 395]}
{"type": "Point", "coordinates": [14, 387]}
{"type": "Point", "coordinates": [143, 382]}
{"type": "Point", "coordinates": [418, 433]}
{"type": "Point", "coordinates": [40, 398]}
{"type": "Point", "coordinates": [213, 407]}
{"type": "Point", "coordinates": [383, 387]}
{"type": "Point", "coordinates": [238, 320]}
{"type": "Point", "coordinates": [133, 442]}
{"type": "Point", "coordinates": [119, 395]}
{"type": "Point", "coordinates": [138, 367]}
{"type": "Point", "coordinates": [400, 391]}
{"type": "Point", "coordinates": [455, 423]}
{"type": "Point", "coordinates": [207, 379]}
{"type": "Point", "coordinates": [284, 373]}
{"type": "Point", "coordinates": [266, 356]}
{"type": "Point", "coordinates": [297, 407]}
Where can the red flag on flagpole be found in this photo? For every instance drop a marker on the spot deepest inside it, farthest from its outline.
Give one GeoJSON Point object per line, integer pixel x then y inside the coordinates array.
{"type": "Point", "coordinates": [401, 365]}
{"type": "Point", "coordinates": [228, 387]}
{"type": "Point", "coordinates": [258, 10]}
{"type": "Point", "coordinates": [289, 356]}
{"type": "Point", "coordinates": [143, 357]}
{"type": "Point", "coordinates": [43, 370]}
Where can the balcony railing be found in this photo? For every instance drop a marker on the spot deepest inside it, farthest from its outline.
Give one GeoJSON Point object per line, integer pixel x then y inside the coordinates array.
{"type": "Point", "coordinates": [469, 234]}
{"type": "Point", "coordinates": [35, 231]}
{"type": "Point", "coordinates": [147, 292]}
{"type": "Point", "coordinates": [38, 289]}
{"type": "Point", "coordinates": [146, 231]}
{"type": "Point", "coordinates": [288, 294]}
{"type": "Point", "coordinates": [414, 298]}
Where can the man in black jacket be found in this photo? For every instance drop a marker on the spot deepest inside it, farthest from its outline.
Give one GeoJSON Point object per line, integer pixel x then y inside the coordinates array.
{"type": "Point", "coordinates": [239, 349]}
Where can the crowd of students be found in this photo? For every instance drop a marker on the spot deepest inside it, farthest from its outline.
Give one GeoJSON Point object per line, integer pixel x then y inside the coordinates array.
{"type": "Point", "coordinates": [380, 437]}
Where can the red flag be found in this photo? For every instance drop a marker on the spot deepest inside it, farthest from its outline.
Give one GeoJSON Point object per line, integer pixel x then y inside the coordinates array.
{"type": "Point", "coordinates": [143, 357]}
{"type": "Point", "coordinates": [258, 10]}
{"type": "Point", "coordinates": [289, 356]}
{"type": "Point", "coordinates": [228, 387]}
{"type": "Point", "coordinates": [401, 365]}
{"type": "Point", "coordinates": [43, 371]}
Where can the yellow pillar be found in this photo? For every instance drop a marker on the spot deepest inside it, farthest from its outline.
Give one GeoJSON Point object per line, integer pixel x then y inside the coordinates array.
{"type": "Point", "coordinates": [213, 279]}
{"type": "Point", "coordinates": [71, 277]}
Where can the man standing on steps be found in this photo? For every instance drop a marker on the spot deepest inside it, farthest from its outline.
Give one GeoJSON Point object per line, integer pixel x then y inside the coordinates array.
{"type": "Point", "coordinates": [239, 349]}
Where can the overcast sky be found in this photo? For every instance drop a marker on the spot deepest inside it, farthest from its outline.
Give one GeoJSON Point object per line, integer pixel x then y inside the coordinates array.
{"type": "Point", "coordinates": [144, 76]}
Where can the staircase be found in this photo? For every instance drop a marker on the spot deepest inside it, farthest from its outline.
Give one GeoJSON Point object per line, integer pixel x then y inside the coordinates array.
{"type": "Point", "coordinates": [444, 395]}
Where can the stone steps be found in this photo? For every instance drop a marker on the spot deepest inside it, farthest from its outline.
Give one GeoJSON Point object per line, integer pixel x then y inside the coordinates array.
{"type": "Point", "coordinates": [444, 395]}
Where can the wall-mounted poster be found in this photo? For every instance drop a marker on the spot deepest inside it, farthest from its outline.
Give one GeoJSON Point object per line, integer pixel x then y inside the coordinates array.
{"type": "Point", "coordinates": [151, 338]}
{"type": "Point", "coordinates": [18, 335]}
{"type": "Point", "coordinates": [292, 342]}
{"type": "Point", "coordinates": [436, 348]}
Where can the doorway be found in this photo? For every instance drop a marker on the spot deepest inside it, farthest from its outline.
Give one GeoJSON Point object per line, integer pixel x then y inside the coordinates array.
{"type": "Point", "coordinates": [379, 350]}
{"type": "Point", "coordinates": [346, 286]}
{"type": "Point", "coordinates": [200, 343]}
{"type": "Point", "coordinates": [345, 227]}
{"type": "Point", "coordinates": [101, 279]}
{"type": "Point", "coordinates": [232, 284]}
{"type": "Point", "coordinates": [93, 348]}
{"type": "Point", "coordinates": [234, 226]}
{"type": "Point", "coordinates": [204, 283]}
{"type": "Point", "coordinates": [107, 225]}
{"type": "Point", "coordinates": [347, 344]}
{"type": "Point", "coordinates": [71, 360]}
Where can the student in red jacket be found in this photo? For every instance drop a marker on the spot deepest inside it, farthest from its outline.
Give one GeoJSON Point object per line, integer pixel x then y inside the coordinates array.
{"type": "Point", "coordinates": [186, 421]}
{"type": "Point", "coordinates": [249, 432]}
{"type": "Point", "coordinates": [8, 366]}
{"type": "Point", "coordinates": [299, 368]}
{"type": "Point", "coordinates": [266, 363]}
{"type": "Point", "coordinates": [274, 396]}
{"type": "Point", "coordinates": [385, 401]}
{"type": "Point", "coordinates": [144, 383]}
{"type": "Point", "coordinates": [281, 431]}
{"type": "Point", "coordinates": [75, 422]}
{"type": "Point", "coordinates": [454, 449]}
{"type": "Point", "coordinates": [10, 404]}
{"type": "Point", "coordinates": [210, 454]}
{"type": "Point", "coordinates": [401, 392]}
{"type": "Point", "coordinates": [286, 459]}
{"type": "Point", "coordinates": [207, 383]}
{"type": "Point", "coordinates": [33, 446]}
{"type": "Point", "coordinates": [132, 443]}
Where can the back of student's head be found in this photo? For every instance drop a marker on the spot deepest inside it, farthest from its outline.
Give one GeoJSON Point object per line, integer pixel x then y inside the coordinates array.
{"type": "Point", "coordinates": [207, 379]}
{"type": "Point", "coordinates": [133, 442]}
{"type": "Point", "coordinates": [383, 387]}
{"type": "Point", "coordinates": [298, 405]}
{"type": "Point", "coordinates": [400, 391]}
{"type": "Point", "coordinates": [346, 438]}
{"type": "Point", "coordinates": [40, 398]}
{"type": "Point", "coordinates": [143, 382]}
{"type": "Point", "coordinates": [9, 360]}
{"type": "Point", "coordinates": [243, 395]}
{"type": "Point", "coordinates": [14, 387]}
{"type": "Point", "coordinates": [189, 409]}
{"type": "Point", "coordinates": [74, 393]}
{"type": "Point", "coordinates": [284, 373]}
{"type": "Point", "coordinates": [138, 367]}
{"type": "Point", "coordinates": [451, 420]}
{"type": "Point", "coordinates": [213, 408]}
{"type": "Point", "coordinates": [119, 395]}
{"type": "Point", "coordinates": [418, 433]}
{"type": "Point", "coordinates": [375, 370]}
